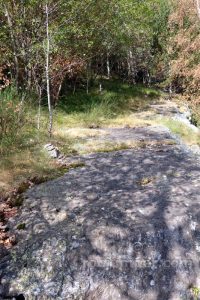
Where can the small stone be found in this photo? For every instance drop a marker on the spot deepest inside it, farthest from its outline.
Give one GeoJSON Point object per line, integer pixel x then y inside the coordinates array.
{"type": "Point", "coordinates": [53, 151]}
{"type": "Point", "coordinates": [92, 196]}
{"type": "Point", "coordinates": [152, 283]}
{"type": "Point", "coordinates": [75, 245]}
{"type": "Point", "coordinates": [4, 228]}
{"type": "Point", "coordinates": [72, 216]}
{"type": "Point", "coordinates": [195, 149]}
{"type": "Point", "coordinates": [48, 146]}
{"type": "Point", "coordinates": [13, 240]}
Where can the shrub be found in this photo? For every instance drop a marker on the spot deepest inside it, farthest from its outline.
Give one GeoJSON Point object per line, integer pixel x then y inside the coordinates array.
{"type": "Point", "coordinates": [12, 115]}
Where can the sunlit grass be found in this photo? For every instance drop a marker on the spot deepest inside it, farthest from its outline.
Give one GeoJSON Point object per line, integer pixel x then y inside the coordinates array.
{"type": "Point", "coordinates": [23, 164]}
{"type": "Point", "coordinates": [93, 146]}
{"type": "Point", "coordinates": [79, 132]}
{"type": "Point", "coordinates": [188, 135]}
{"type": "Point", "coordinates": [77, 118]}
{"type": "Point", "coordinates": [129, 120]}
{"type": "Point", "coordinates": [99, 109]}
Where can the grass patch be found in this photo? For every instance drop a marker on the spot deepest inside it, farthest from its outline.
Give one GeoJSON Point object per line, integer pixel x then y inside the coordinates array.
{"type": "Point", "coordinates": [130, 120]}
{"type": "Point", "coordinates": [93, 146]}
{"type": "Point", "coordinates": [36, 166]}
{"type": "Point", "coordinates": [188, 135]}
{"type": "Point", "coordinates": [21, 153]}
{"type": "Point", "coordinates": [17, 167]}
{"type": "Point", "coordinates": [145, 181]}
{"type": "Point", "coordinates": [79, 133]}
{"type": "Point", "coordinates": [98, 109]}
{"type": "Point", "coordinates": [98, 146]}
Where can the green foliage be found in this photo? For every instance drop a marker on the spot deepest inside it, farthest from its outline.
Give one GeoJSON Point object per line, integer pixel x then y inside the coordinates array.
{"type": "Point", "coordinates": [12, 111]}
{"type": "Point", "coordinates": [86, 29]}
{"type": "Point", "coordinates": [17, 120]}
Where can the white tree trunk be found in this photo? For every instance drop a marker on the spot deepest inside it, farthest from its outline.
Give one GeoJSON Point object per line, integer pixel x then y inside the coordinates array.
{"type": "Point", "coordinates": [198, 8]}
{"type": "Point", "coordinates": [170, 91]}
{"type": "Point", "coordinates": [74, 90]}
{"type": "Point", "coordinates": [100, 87]}
{"type": "Point", "coordinates": [148, 78]}
{"type": "Point", "coordinates": [131, 66]}
{"type": "Point", "coordinates": [108, 66]}
{"type": "Point", "coordinates": [47, 72]}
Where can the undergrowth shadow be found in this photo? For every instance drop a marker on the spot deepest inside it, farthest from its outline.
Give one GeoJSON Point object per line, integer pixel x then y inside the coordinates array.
{"type": "Point", "coordinates": [116, 95]}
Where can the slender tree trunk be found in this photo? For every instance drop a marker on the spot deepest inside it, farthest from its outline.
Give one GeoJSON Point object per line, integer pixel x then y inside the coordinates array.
{"type": "Point", "coordinates": [144, 77]}
{"type": "Point", "coordinates": [132, 68]}
{"type": "Point", "coordinates": [170, 91]}
{"type": "Point", "coordinates": [59, 90]}
{"type": "Point", "coordinates": [100, 88]}
{"type": "Point", "coordinates": [74, 89]}
{"type": "Point", "coordinates": [102, 73]}
{"type": "Point", "coordinates": [148, 78]}
{"type": "Point", "coordinates": [129, 65]}
{"type": "Point", "coordinates": [29, 79]}
{"type": "Point", "coordinates": [39, 107]}
{"type": "Point", "coordinates": [198, 7]}
{"type": "Point", "coordinates": [47, 72]}
{"type": "Point", "coordinates": [108, 66]}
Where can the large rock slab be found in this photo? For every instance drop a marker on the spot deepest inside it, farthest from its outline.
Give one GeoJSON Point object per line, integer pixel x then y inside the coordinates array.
{"type": "Point", "coordinates": [125, 226]}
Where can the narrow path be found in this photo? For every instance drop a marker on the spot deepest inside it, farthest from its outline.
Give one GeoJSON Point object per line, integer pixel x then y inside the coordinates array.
{"type": "Point", "coordinates": [124, 226]}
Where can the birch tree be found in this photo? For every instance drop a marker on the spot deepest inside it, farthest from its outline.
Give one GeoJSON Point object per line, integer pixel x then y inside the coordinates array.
{"type": "Point", "coordinates": [198, 7]}
{"type": "Point", "coordinates": [47, 70]}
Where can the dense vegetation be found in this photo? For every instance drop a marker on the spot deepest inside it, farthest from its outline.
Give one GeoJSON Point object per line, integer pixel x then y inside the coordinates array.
{"type": "Point", "coordinates": [183, 52]}
{"type": "Point", "coordinates": [49, 48]}
{"type": "Point", "coordinates": [82, 39]}
{"type": "Point", "coordinates": [78, 63]}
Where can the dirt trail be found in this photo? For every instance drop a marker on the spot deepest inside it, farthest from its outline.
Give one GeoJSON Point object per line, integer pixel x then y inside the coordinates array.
{"type": "Point", "coordinates": [124, 226]}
